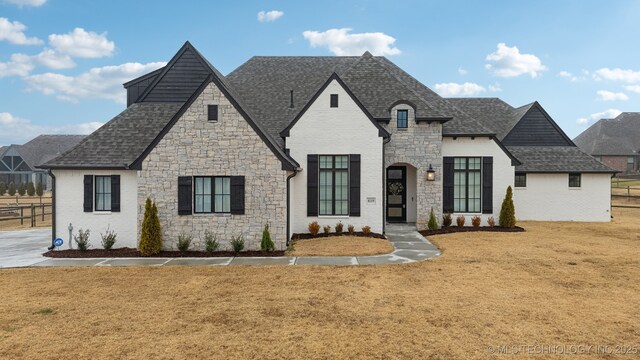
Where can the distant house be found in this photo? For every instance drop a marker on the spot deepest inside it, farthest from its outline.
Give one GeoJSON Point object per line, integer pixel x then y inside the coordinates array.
{"type": "Point", "coordinates": [18, 163]}
{"type": "Point", "coordinates": [615, 142]}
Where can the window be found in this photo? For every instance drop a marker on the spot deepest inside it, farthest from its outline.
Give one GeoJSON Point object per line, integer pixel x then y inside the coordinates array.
{"type": "Point", "coordinates": [521, 180]}
{"type": "Point", "coordinates": [630, 163]}
{"type": "Point", "coordinates": [212, 194]}
{"type": "Point", "coordinates": [103, 193]}
{"type": "Point", "coordinates": [403, 115]}
{"type": "Point", "coordinates": [212, 112]}
{"type": "Point", "coordinates": [574, 180]}
{"type": "Point", "coordinates": [334, 185]}
{"type": "Point", "coordinates": [334, 100]}
{"type": "Point", "coordinates": [466, 185]}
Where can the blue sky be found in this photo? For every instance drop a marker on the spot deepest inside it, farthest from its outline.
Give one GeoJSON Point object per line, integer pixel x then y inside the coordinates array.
{"type": "Point", "coordinates": [62, 63]}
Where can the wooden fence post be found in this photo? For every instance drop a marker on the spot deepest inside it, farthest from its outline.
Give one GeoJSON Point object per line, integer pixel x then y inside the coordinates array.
{"type": "Point", "coordinates": [21, 216]}
{"type": "Point", "coordinates": [42, 212]}
{"type": "Point", "coordinates": [33, 215]}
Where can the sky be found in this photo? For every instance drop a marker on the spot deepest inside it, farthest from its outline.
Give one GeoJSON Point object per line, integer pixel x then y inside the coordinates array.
{"type": "Point", "coordinates": [62, 63]}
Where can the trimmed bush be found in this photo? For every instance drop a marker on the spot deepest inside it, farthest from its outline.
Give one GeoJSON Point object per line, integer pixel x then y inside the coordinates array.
{"type": "Point", "coordinates": [39, 189]}
{"type": "Point", "coordinates": [210, 242]}
{"type": "Point", "coordinates": [366, 230]}
{"type": "Point", "coordinates": [12, 189]}
{"type": "Point", "coordinates": [108, 239]}
{"type": "Point", "coordinates": [31, 190]}
{"type": "Point", "coordinates": [475, 221]}
{"type": "Point", "coordinates": [447, 220]}
{"type": "Point", "coordinates": [3, 188]}
{"type": "Point", "coordinates": [82, 239]}
{"type": "Point", "coordinates": [267, 244]}
{"type": "Point", "coordinates": [433, 223]}
{"type": "Point", "coordinates": [508, 211]}
{"type": "Point", "coordinates": [237, 243]}
{"type": "Point", "coordinates": [184, 242]}
{"type": "Point", "coordinates": [314, 228]}
{"type": "Point", "coordinates": [326, 229]}
{"type": "Point", "coordinates": [22, 189]}
{"type": "Point", "coordinates": [151, 234]}
{"type": "Point", "coordinates": [491, 221]}
{"type": "Point", "coordinates": [339, 227]}
{"type": "Point", "coordinates": [460, 221]}
{"type": "Point", "coordinates": [350, 229]}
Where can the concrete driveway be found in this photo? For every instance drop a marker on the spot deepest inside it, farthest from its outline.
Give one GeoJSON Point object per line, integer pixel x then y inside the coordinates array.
{"type": "Point", "coordinates": [23, 247]}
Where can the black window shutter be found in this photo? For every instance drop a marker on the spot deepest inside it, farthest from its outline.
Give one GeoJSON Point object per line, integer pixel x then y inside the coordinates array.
{"type": "Point", "coordinates": [312, 185]}
{"type": "Point", "coordinates": [237, 195]}
{"type": "Point", "coordinates": [115, 193]}
{"type": "Point", "coordinates": [447, 185]}
{"type": "Point", "coordinates": [354, 185]}
{"type": "Point", "coordinates": [88, 193]}
{"type": "Point", "coordinates": [487, 185]}
{"type": "Point", "coordinates": [184, 195]}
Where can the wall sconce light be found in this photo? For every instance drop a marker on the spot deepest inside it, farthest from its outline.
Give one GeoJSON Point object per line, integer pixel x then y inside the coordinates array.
{"type": "Point", "coordinates": [431, 174]}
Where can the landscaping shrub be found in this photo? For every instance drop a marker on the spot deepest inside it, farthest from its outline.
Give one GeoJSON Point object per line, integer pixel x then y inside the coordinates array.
{"type": "Point", "coordinates": [184, 242]}
{"type": "Point", "coordinates": [475, 221]}
{"type": "Point", "coordinates": [508, 211]}
{"type": "Point", "coordinates": [366, 230]}
{"type": "Point", "coordinates": [12, 188]}
{"type": "Point", "coordinates": [491, 221]}
{"type": "Point", "coordinates": [314, 228]}
{"type": "Point", "coordinates": [151, 234]}
{"type": "Point", "coordinates": [82, 239]}
{"type": "Point", "coordinates": [339, 228]}
{"type": "Point", "coordinates": [350, 229]}
{"type": "Point", "coordinates": [237, 243]}
{"type": "Point", "coordinates": [39, 189]}
{"type": "Point", "coordinates": [108, 239]}
{"type": "Point", "coordinates": [460, 221]}
{"type": "Point", "coordinates": [267, 244]}
{"type": "Point", "coordinates": [433, 223]}
{"type": "Point", "coordinates": [31, 190]}
{"type": "Point", "coordinates": [3, 188]}
{"type": "Point", "coordinates": [326, 229]}
{"type": "Point", "coordinates": [446, 220]}
{"type": "Point", "coordinates": [21, 189]}
{"type": "Point", "coordinates": [210, 242]}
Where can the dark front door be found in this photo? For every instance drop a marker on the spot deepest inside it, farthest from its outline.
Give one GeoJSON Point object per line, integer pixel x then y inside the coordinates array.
{"type": "Point", "coordinates": [396, 194]}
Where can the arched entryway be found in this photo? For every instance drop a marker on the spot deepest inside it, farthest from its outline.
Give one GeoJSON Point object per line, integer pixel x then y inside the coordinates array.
{"type": "Point", "coordinates": [401, 195]}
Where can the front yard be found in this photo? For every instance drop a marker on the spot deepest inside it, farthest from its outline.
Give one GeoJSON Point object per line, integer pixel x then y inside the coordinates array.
{"type": "Point", "coordinates": [556, 284]}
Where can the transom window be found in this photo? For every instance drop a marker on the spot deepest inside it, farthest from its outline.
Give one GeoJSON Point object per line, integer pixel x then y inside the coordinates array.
{"type": "Point", "coordinates": [103, 193]}
{"type": "Point", "coordinates": [212, 194]}
{"type": "Point", "coordinates": [403, 116]}
{"type": "Point", "coordinates": [574, 180]}
{"type": "Point", "coordinates": [466, 185]}
{"type": "Point", "coordinates": [334, 185]}
{"type": "Point", "coordinates": [521, 180]}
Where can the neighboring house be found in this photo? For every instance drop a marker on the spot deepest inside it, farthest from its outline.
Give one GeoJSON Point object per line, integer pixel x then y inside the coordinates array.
{"type": "Point", "coordinates": [19, 163]}
{"type": "Point", "coordinates": [615, 142]}
{"type": "Point", "coordinates": [292, 140]}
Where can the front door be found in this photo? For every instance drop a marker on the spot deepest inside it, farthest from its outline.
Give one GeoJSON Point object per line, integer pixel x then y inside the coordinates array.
{"type": "Point", "coordinates": [396, 194]}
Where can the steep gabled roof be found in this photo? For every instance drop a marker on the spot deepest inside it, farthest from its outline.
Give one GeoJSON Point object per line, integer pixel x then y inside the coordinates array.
{"type": "Point", "coordinates": [536, 128]}
{"type": "Point", "coordinates": [493, 113]}
{"type": "Point", "coordinates": [46, 147]}
{"type": "Point", "coordinates": [618, 136]}
{"type": "Point", "coordinates": [556, 159]}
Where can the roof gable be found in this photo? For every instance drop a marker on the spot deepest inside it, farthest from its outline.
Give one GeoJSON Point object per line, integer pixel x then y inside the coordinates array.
{"type": "Point", "coordinates": [619, 136]}
{"type": "Point", "coordinates": [536, 128]}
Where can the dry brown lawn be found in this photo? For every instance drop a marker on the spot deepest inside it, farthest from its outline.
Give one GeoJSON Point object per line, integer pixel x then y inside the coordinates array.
{"type": "Point", "coordinates": [556, 284]}
{"type": "Point", "coordinates": [341, 246]}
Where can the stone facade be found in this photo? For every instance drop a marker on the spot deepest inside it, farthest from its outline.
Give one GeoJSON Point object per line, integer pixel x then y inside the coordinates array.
{"type": "Point", "coordinates": [228, 147]}
{"type": "Point", "coordinates": [419, 145]}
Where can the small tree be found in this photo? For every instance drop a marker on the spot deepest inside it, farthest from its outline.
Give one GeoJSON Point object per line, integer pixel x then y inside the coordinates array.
{"type": "Point", "coordinates": [31, 190]}
{"type": "Point", "coordinates": [22, 189]}
{"type": "Point", "coordinates": [3, 188]}
{"type": "Point", "coordinates": [12, 188]}
{"type": "Point", "coordinates": [39, 189]}
{"type": "Point", "coordinates": [150, 234]}
{"type": "Point", "coordinates": [508, 211]}
{"type": "Point", "coordinates": [433, 223]}
{"type": "Point", "coordinates": [267, 243]}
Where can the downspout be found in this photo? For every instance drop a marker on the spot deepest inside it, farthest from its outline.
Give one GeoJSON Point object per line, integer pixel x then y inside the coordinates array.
{"type": "Point", "coordinates": [295, 172]}
{"type": "Point", "coordinates": [53, 210]}
{"type": "Point", "coordinates": [384, 187]}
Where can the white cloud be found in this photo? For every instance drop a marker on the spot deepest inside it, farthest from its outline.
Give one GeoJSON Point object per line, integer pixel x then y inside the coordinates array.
{"type": "Point", "coordinates": [509, 62]}
{"type": "Point", "coordinates": [53, 60]}
{"type": "Point", "coordinates": [22, 65]}
{"type": "Point", "coordinates": [617, 74]}
{"type": "Point", "coordinates": [17, 130]}
{"type": "Point", "coordinates": [462, 71]}
{"type": "Point", "coordinates": [634, 88]}
{"type": "Point", "coordinates": [495, 88]}
{"type": "Point", "coordinates": [13, 32]}
{"type": "Point", "coordinates": [607, 114]}
{"type": "Point", "coordinates": [605, 95]}
{"type": "Point", "coordinates": [19, 65]}
{"type": "Point", "coordinates": [21, 3]}
{"type": "Point", "coordinates": [97, 83]}
{"type": "Point", "coordinates": [455, 89]}
{"type": "Point", "coordinates": [570, 76]}
{"type": "Point", "coordinates": [269, 16]}
{"type": "Point", "coordinates": [342, 43]}
{"type": "Point", "coordinates": [82, 43]}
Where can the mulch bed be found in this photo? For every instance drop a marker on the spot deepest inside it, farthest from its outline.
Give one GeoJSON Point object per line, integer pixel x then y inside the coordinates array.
{"type": "Point", "coordinates": [129, 252]}
{"type": "Point", "coordinates": [456, 229]}
{"type": "Point", "coordinates": [321, 235]}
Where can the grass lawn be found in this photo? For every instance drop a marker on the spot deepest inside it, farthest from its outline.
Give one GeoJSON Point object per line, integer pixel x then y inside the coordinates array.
{"type": "Point", "coordinates": [556, 284]}
{"type": "Point", "coordinates": [341, 246]}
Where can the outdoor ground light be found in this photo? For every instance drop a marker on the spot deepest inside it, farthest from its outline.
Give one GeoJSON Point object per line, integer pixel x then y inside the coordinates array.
{"type": "Point", "coordinates": [431, 174]}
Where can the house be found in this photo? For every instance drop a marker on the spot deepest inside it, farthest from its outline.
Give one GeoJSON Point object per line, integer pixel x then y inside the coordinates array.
{"type": "Point", "coordinates": [292, 140]}
{"type": "Point", "coordinates": [615, 142]}
{"type": "Point", "coordinates": [19, 163]}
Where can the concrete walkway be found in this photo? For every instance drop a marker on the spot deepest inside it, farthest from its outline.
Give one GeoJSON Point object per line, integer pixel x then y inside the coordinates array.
{"type": "Point", "coordinates": [22, 248]}
{"type": "Point", "coordinates": [409, 246]}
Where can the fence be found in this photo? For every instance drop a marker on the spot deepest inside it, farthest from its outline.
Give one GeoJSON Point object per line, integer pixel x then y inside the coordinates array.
{"type": "Point", "coordinates": [33, 213]}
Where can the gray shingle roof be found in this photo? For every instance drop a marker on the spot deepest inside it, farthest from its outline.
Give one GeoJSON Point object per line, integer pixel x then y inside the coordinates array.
{"type": "Point", "coordinates": [556, 159]}
{"type": "Point", "coordinates": [493, 113]}
{"type": "Point", "coordinates": [46, 147]}
{"type": "Point", "coordinates": [619, 136]}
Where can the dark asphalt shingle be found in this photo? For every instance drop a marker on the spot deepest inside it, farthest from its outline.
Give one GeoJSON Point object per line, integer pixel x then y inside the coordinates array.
{"type": "Point", "coordinates": [619, 136]}
{"type": "Point", "coordinates": [556, 159]}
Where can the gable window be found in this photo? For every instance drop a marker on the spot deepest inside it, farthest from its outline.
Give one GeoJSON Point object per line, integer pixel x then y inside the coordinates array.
{"type": "Point", "coordinates": [103, 193]}
{"type": "Point", "coordinates": [574, 180]}
{"type": "Point", "coordinates": [212, 194]}
{"type": "Point", "coordinates": [212, 112]}
{"type": "Point", "coordinates": [521, 180]}
{"type": "Point", "coordinates": [466, 185]}
{"type": "Point", "coordinates": [334, 100]}
{"type": "Point", "coordinates": [334, 185]}
{"type": "Point", "coordinates": [403, 116]}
